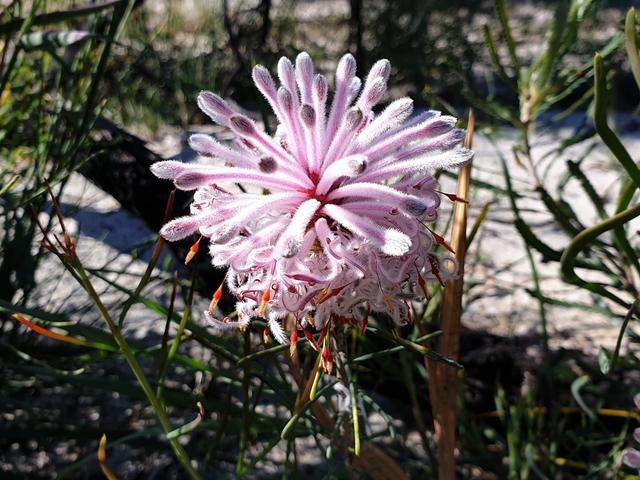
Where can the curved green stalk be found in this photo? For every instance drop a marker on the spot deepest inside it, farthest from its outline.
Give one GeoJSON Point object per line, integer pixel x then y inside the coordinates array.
{"type": "Point", "coordinates": [623, 328]}
{"type": "Point", "coordinates": [600, 120]}
{"type": "Point", "coordinates": [622, 155]}
{"type": "Point", "coordinates": [582, 240]}
{"type": "Point", "coordinates": [630, 44]}
{"type": "Point", "coordinates": [627, 191]}
{"type": "Point", "coordinates": [128, 353]}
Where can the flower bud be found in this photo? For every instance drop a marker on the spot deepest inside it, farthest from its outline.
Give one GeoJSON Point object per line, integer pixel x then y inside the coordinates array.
{"type": "Point", "coordinates": [242, 125]}
{"type": "Point", "coordinates": [168, 169]}
{"type": "Point", "coordinates": [264, 82]}
{"type": "Point", "coordinates": [353, 118]}
{"type": "Point", "coordinates": [354, 87]}
{"type": "Point", "coordinates": [382, 68]}
{"type": "Point", "coordinates": [286, 72]}
{"type": "Point", "coordinates": [180, 228]}
{"type": "Point", "coordinates": [285, 99]}
{"type": "Point", "coordinates": [203, 144]}
{"type": "Point", "coordinates": [190, 180]}
{"type": "Point", "coordinates": [346, 68]}
{"type": "Point", "coordinates": [375, 92]}
{"type": "Point", "coordinates": [320, 87]}
{"type": "Point", "coordinates": [304, 68]}
{"type": "Point", "coordinates": [308, 115]}
{"type": "Point", "coordinates": [439, 125]}
{"type": "Point", "coordinates": [214, 106]}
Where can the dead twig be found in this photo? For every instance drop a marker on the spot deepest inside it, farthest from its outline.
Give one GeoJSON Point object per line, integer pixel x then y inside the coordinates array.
{"type": "Point", "coordinates": [443, 379]}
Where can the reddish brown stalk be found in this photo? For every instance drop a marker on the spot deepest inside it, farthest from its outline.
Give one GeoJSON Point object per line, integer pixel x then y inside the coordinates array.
{"type": "Point", "coordinates": [372, 459]}
{"type": "Point", "coordinates": [443, 379]}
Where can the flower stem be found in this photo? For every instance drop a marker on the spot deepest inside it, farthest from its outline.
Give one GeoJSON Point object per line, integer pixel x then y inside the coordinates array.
{"type": "Point", "coordinates": [244, 431]}
{"type": "Point", "coordinates": [179, 451]}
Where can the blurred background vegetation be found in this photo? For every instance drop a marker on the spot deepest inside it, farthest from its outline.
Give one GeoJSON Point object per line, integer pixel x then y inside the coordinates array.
{"type": "Point", "coordinates": [104, 89]}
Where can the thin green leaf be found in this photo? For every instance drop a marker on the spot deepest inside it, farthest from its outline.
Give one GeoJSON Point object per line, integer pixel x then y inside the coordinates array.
{"type": "Point", "coordinates": [576, 386]}
{"type": "Point", "coordinates": [631, 45]}
{"type": "Point", "coordinates": [495, 58]}
{"type": "Point", "coordinates": [57, 17]}
{"type": "Point", "coordinates": [501, 10]}
{"type": "Point", "coordinates": [600, 118]}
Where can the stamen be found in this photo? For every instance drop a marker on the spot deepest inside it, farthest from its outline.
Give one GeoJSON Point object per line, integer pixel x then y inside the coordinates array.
{"type": "Point", "coordinates": [216, 298]}
{"type": "Point", "coordinates": [192, 251]}
{"type": "Point", "coordinates": [265, 300]}
{"type": "Point", "coordinates": [324, 295]}
{"type": "Point", "coordinates": [293, 342]}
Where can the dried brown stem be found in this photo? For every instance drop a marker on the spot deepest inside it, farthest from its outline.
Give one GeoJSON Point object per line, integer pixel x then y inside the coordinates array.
{"type": "Point", "coordinates": [443, 379]}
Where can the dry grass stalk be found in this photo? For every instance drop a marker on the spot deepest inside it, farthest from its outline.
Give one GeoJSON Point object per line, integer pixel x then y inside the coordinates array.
{"type": "Point", "coordinates": [443, 379]}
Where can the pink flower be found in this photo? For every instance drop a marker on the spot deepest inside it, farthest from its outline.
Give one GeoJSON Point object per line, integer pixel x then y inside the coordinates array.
{"type": "Point", "coordinates": [631, 456]}
{"type": "Point", "coordinates": [342, 229]}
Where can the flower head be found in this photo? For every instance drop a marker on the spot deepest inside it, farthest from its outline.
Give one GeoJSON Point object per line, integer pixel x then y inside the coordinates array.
{"type": "Point", "coordinates": [341, 229]}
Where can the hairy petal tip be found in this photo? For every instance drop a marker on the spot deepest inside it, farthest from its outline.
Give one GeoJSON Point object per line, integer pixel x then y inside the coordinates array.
{"type": "Point", "coordinates": [168, 169]}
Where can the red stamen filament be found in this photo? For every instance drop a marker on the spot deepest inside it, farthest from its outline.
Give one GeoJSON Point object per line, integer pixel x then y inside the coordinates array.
{"type": "Point", "coordinates": [438, 238]}
{"type": "Point", "coordinates": [309, 337]}
{"type": "Point", "coordinates": [453, 197]}
{"type": "Point", "coordinates": [423, 284]}
{"type": "Point", "coordinates": [434, 269]}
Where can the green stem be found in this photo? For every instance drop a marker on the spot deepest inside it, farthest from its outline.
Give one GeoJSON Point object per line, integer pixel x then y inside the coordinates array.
{"type": "Point", "coordinates": [623, 328]}
{"type": "Point", "coordinates": [179, 451]}
{"type": "Point", "coordinates": [24, 28]}
{"type": "Point", "coordinates": [600, 120]}
{"type": "Point", "coordinates": [118, 19]}
{"type": "Point", "coordinates": [354, 414]}
{"type": "Point", "coordinates": [630, 44]}
{"type": "Point", "coordinates": [244, 430]}
{"type": "Point", "coordinates": [582, 240]}
{"type": "Point", "coordinates": [538, 292]}
{"type": "Point", "coordinates": [176, 342]}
